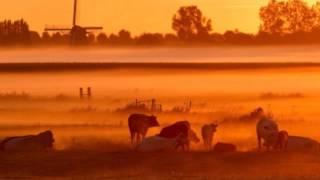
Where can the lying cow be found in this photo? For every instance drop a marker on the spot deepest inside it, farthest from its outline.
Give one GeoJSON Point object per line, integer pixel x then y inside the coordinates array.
{"type": "Point", "coordinates": [267, 130]}
{"type": "Point", "coordinates": [182, 128]}
{"type": "Point", "coordinates": [158, 144]}
{"type": "Point", "coordinates": [297, 143]}
{"type": "Point", "coordinates": [40, 142]}
{"type": "Point", "coordinates": [139, 125]}
{"type": "Point", "coordinates": [207, 132]}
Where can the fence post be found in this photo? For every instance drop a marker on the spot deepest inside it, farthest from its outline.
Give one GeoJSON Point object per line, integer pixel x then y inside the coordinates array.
{"type": "Point", "coordinates": [89, 93]}
{"type": "Point", "coordinates": [81, 93]}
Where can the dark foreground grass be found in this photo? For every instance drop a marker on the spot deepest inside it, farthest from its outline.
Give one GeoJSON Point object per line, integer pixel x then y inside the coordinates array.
{"type": "Point", "coordinates": [133, 165]}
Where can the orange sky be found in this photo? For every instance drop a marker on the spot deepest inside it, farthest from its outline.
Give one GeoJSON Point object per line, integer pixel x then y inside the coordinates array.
{"type": "Point", "coordinates": [135, 15]}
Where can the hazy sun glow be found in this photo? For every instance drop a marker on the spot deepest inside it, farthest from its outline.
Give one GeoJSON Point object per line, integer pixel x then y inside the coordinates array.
{"type": "Point", "coordinates": [135, 15]}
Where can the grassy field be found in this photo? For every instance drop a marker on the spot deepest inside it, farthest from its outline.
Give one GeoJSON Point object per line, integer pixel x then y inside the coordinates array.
{"type": "Point", "coordinates": [132, 165]}
{"type": "Point", "coordinates": [95, 144]}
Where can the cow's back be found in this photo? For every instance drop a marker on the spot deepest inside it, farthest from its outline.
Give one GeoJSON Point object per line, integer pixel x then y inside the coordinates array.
{"type": "Point", "coordinates": [23, 143]}
{"type": "Point", "coordinates": [297, 143]}
{"type": "Point", "coordinates": [173, 131]}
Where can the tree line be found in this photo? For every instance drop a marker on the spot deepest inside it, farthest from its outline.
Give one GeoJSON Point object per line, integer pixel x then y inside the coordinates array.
{"type": "Point", "coordinates": [282, 22]}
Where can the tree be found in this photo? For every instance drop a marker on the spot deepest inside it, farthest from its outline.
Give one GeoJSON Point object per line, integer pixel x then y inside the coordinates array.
{"type": "Point", "coordinates": [91, 38]}
{"type": "Point", "coordinates": [150, 39]}
{"type": "Point", "coordinates": [102, 38]}
{"type": "Point", "coordinates": [190, 24]}
{"type": "Point", "coordinates": [14, 32]}
{"type": "Point", "coordinates": [124, 37]}
{"type": "Point", "coordinates": [292, 16]}
{"type": "Point", "coordinates": [35, 37]}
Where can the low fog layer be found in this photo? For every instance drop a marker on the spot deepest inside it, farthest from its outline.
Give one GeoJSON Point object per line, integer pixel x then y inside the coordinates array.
{"type": "Point", "coordinates": [161, 54]}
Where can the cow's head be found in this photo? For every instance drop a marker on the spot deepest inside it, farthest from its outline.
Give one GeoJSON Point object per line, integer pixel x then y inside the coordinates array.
{"type": "Point", "coordinates": [214, 127]}
{"type": "Point", "coordinates": [153, 122]}
{"type": "Point", "coordinates": [46, 139]}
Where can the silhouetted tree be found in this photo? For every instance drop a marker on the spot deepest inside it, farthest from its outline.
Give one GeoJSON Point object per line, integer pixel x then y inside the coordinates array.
{"type": "Point", "coordinates": [292, 16]}
{"type": "Point", "coordinates": [150, 39]}
{"type": "Point", "coordinates": [170, 38]}
{"type": "Point", "coordinates": [190, 24]}
{"type": "Point", "coordinates": [35, 37]}
{"type": "Point", "coordinates": [113, 39]}
{"type": "Point", "coordinates": [91, 38]}
{"type": "Point", "coordinates": [102, 38]}
{"type": "Point", "coordinates": [14, 32]}
{"type": "Point", "coordinates": [124, 37]}
{"type": "Point", "coordinates": [45, 38]}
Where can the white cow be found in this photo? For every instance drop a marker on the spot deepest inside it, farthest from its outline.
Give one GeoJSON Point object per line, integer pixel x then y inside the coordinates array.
{"type": "Point", "coordinates": [40, 142]}
{"type": "Point", "coordinates": [207, 132]}
{"type": "Point", "coordinates": [267, 130]}
{"type": "Point", "coordinates": [158, 144]}
{"type": "Point", "coordinates": [297, 143]}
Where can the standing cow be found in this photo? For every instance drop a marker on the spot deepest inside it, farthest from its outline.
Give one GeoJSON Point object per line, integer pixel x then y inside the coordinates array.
{"type": "Point", "coordinates": [183, 129]}
{"type": "Point", "coordinates": [207, 132]}
{"type": "Point", "coordinates": [40, 142]}
{"type": "Point", "coordinates": [267, 130]}
{"type": "Point", "coordinates": [139, 125]}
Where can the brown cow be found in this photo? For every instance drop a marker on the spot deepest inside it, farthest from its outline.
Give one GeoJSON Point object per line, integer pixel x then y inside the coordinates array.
{"type": "Point", "coordinates": [183, 129]}
{"type": "Point", "coordinates": [139, 125]}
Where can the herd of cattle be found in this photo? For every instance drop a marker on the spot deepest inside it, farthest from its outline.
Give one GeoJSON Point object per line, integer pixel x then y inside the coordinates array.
{"type": "Point", "coordinates": [175, 137]}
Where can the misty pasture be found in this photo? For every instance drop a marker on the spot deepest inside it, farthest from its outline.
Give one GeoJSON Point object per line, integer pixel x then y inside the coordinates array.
{"type": "Point", "coordinates": [92, 136]}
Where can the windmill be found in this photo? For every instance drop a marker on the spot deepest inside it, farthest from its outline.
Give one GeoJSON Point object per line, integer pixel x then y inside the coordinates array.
{"type": "Point", "coordinates": [77, 33]}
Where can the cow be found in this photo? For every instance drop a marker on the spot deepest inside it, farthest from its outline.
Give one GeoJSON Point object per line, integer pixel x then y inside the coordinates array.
{"type": "Point", "coordinates": [282, 141]}
{"type": "Point", "coordinates": [267, 130]}
{"type": "Point", "coordinates": [139, 125]}
{"type": "Point", "coordinates": [224, 148]}
{"type": "Point", "coordinates": [253, 116]}
{"type": "Point", "coordinates": [159, 144]}
{"type": "Point", "coordinates": [207, 132]}
{"type": "Point", "coordinates": [182, 128]}
{"type": "Point", "coordinates": [298, 143]}
{"type": "Point", "coordinates": [40, 142]}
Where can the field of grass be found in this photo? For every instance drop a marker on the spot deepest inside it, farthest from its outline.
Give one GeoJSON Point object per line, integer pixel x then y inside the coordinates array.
{"type": "Point", "coordinates": [94, 144]}
{"type": "Point", "coordinates": [132, 165]}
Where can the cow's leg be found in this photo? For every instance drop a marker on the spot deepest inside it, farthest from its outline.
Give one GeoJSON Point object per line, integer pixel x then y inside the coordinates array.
{"type": "Point", "coordinates": [188, 146]}
{"type": "Point", "coordinates": [205, 143]}
{"type": "Point", "coordinates": [210, 142]}
{"type": "Point", "coordinates": [259, 141]}
{"type": "Point", "coordinates": [132, 137]}
{"type": "Point", "coordinates": [137, 137]}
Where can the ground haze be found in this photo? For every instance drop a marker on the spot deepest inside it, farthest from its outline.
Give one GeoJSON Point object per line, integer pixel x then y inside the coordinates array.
{"type": "Point", "coordinates": [92, 138]}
